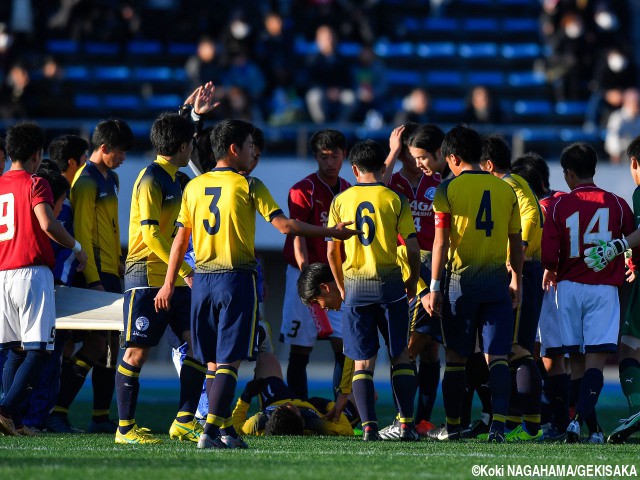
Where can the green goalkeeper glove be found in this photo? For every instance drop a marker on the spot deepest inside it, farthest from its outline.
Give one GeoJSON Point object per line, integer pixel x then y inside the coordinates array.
{"type": "Point", "coordinates": [599, 256]}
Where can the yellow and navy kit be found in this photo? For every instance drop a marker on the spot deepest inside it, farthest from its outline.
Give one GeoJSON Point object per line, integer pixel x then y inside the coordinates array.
{"type": "Point", "coordinates": [371, 271]}
{"type": "Point", "coordinates": [94, 199]}
{"type": "Point", "coordinates": [220, 209]}
{"type": "Point", "coordinates": [481, 211]}
{"type": "Point", "coordinates": [155, 204]}
{"type": "Point", "coordinates": [531, 216]}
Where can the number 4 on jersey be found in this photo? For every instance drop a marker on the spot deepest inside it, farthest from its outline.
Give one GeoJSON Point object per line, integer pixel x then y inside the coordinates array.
{"type": "Point", "coordinates": [483, 219]}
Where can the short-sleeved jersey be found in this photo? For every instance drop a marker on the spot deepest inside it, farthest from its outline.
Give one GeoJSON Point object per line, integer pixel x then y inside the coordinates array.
{"type": "Point", "coordinates": [421, 203]}
{"type": "Point", "coordinates": [425, 272]}
{"type": "Point", "coordinates": [309, 201]}
{"type": "Point", "coordinates": [66, 263]}
{"type": "Point", "coordinates": [155, 204]}
{"type": "Point", "coordinates": [481, 211]}
{"type": "Point", "coordinates": [574, 223]}
{"type": "Point", "coordinates": [22, 242]}
{"type": "Point", "coordinates": [550, 199]}
{"type": "Point", "coordinates": [371, 271]}
{"type": "Point", "coordinates": [531, 216]}
{"type": "Point", "coordinates": [220, 209]}
{"type": "Point", "coordinates": [94, 199]}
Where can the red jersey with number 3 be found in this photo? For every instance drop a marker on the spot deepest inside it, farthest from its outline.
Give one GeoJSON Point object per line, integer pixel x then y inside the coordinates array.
{"type": "Point", "coordinates": [309, 201]}
{"type": "Point", "coordinates": [574, 222]}
{"type": "Point", "coordinates": [421, 202]}
{"type": "Point", "coordinates": [22, 242]}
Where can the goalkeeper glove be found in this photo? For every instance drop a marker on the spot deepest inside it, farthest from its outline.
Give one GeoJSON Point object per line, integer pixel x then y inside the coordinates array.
{"type": "Point", "coordinates": [599, 256]}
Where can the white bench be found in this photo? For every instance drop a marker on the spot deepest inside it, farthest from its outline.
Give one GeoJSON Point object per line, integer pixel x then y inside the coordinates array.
{"type": "Point", "coordinates": [83, 309]}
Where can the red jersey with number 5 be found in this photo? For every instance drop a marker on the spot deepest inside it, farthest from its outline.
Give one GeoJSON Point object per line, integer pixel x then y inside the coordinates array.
{"type": "Point", "coordinates": [574, 222]}
{"type": "Point", "coordinates": [22, 242]}
{"type": "Point", "coordinates": [421, 202]}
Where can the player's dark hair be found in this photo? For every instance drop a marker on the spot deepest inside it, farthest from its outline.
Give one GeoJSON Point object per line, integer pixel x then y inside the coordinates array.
{"type": "Point", "coordinates": [258, 138]}
{"type": "Point", "coordinates": [203, 153]}
{"type": "Point", "coordinates": [538, 163]}
{"type": "Point", "coordinates": [112, 133]}
{"type": "Point", "coordinates": [2, 146]}
{"type": "Point", "coordinates": [227, 133]}
{"type": "Point", "coordinates": [66, 147]}
{"type": "Point", "coordinates": [633, 150]}
{"type": "Point", "coordinates": [464, 143]}
{"type": "Point", "coordinates": [51, 173]}
{"type": "Point", "coordinates": [24, 139]}
{"type": "Point", "coordinates": [283, 421]}
{"type": "Point", "coordinates": [310, 279]}
{"type": "Point", "coordinates": [327, 139]}
{"type": "Point", "coordinates": [407, 133]}
{"type": "Point", "coordinates": [581, 158]}
{"type": "Point", "coordinates": [532, 176]}
{"type": "Point", "coordinates": [169, 131]}
{"type": "Point", "coordinates": [368, 156]}
{"type": "Point", "coordinates": [427, 137]}
{"type": "Point", "coordinates": [494, 148]}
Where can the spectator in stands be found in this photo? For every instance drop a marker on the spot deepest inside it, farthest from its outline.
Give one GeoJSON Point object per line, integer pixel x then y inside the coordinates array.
{"type": "Point", "coordinates": [51, 89]}
{"type": "Point", "coordinates": [623, 126]}
{"type": "Point", "coordinates": [330, 97]}
{"type": "Point", "coordinates": [206, 65]}
{"type": "Point", "coordinates": [481, 107]}
{"type": "Point", "coordinates": [244, 73]}
{"type": "Point", "coordinates": [15, 98]}
{"type": "Point", "coordinates": [416, 107]}
{"type": "Point", "coordinates": [370, 84]}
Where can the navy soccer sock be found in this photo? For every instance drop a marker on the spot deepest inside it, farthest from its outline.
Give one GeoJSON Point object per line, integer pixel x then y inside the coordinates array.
{"type": "Point", "coordinates": [478, 379]}
{"type": "Point", "coordinates": [72, 376]}
{"type": "Point", "coordinates": [25, 378]}
{"type": "Point", "coordinates": [529, 385]}
{"type": "Point", "coordinates": [209, 377]}
{"type": "Point", "coordinates": [297, 374]}
{"type": "Point", "coordinates": [364, 392]}
{"type": "Point", "coordinates": [590, 389]}
{"type": "Point", "coordinates": [338, 367]}
{"type": "Point", "coordinates": [500, 384]}
{"type": "Point", "coordinates": [192, 374]}
{"type": "Point", "coordinates": [403, 385]}
{"type": "Point", "coordinates": [220, 398]}
{"type": "Point", "coordinates": [556, 390]}
{"type": "Point", "coordinates": [13, 362]}
{"type": "Point", "coordinates": [127, 388]}
{"type": "Point", "coordinates": [428, 381]}
{"type": "Point", "coordinates": [453, 388]}
{"type": "Point", "coordinates": [103, 379]}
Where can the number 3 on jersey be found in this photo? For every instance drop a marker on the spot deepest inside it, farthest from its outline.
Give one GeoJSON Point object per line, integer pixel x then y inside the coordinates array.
{"type": "Point", "coordinates": [363, 219]}
{"type": "Point", "coordinates": [213, 208]}
{"type": "Point", "coordinates": [483, 219]}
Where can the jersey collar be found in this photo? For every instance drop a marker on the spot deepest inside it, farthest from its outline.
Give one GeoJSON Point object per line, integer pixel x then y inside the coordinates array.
{"type": "Point", "coordinates": [167, 166]}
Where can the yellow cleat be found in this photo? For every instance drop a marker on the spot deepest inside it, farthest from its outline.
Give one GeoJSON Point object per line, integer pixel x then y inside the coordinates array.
{"type": "Point", "coordinates": [190, 431]}
{"type": "Point", "coordinates": [136, 435]}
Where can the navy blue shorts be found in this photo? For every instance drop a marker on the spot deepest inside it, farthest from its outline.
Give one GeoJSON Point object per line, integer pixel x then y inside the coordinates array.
{"type": "Point", "coordinates": [465, 319]}
{"type": "Point", "coordinates": [223, 316]}
{"type": "Point", "coordinates": [143, 326]}
{"type": "Point", "coordinates": [422, 322]}
{"type": "Point", "coordinates": [274, 390]}
{"type": "Point", "coordinates": [528, 312]}
{"type": "Point", "coordinates": [361, 324]}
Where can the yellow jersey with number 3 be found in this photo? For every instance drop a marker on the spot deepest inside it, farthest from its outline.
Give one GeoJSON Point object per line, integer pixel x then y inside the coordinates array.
{"type": "Point", "coordinates": [220, 209]}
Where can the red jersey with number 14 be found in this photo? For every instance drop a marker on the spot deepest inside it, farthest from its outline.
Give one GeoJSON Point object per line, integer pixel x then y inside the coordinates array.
{"type": "Point", "coordinates": [574, 222]}
{"type": "Point", "coordinates": [421, 202]}
{"type": "Point", "coordinates": [309, 201]}
{"type": "Point", "coordinates": [22, 242]}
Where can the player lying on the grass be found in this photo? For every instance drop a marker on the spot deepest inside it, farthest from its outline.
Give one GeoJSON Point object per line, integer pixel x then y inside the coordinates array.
{"type": "Point", "coordinates": [282, 412]}
{"type": "Point", "coordinates": [224, 298]}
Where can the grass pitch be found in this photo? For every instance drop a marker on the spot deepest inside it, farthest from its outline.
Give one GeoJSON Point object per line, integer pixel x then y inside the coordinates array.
{"type": "Point", "coordinates": [50, 456]}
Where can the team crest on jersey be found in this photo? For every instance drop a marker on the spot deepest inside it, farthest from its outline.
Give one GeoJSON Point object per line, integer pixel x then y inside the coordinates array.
{"type": "Point", "coordinates": [430, 193]}
{"type": "Point", "coordinates": [142, 323]}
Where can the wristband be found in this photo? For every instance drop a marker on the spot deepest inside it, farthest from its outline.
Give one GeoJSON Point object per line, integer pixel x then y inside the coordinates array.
{"type": "Point", "coordinates": [434, 286]}
{"type": "Point", "coordinates": [621, 245]}
{"type": "Point", "coordinates": [77, 247]}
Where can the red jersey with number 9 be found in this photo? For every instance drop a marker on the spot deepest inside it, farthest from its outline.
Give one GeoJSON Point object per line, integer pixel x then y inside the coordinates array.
{"type": "Point", "coordinates": [22, 242]}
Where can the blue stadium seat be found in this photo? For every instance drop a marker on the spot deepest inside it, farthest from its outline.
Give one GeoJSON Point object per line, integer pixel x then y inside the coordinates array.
{"type": "Point", "coordinates": [451, 78]}
{"type": "Point", "coordinates": [101, 48]}
{"type": "Point", "coordinates": [119, 72]}
{"type": "Point", "coordinates": [302, 47]}
{"type": "Point", "coordinates": [521, 25]}
{"type": "Point", "coordinates": [60, 47]}
{"type": "Point", "coordinates": [526, 79]}
{"type": "Point", "coordinates": [179, 74]}
{"type": "Point", "coordinates": [533, 107]}
{"type": "Point", "coordinates": [478, 50]}
{"type": "Point", "coordinates": [571, 108]}
{"type": "Point", "coordinates": [77, 73]}
{"type": "Point", "coordinates": [163, 102]}
{"type": "Point", "coordinates": [122, 102]}
{"type": "Point", "coordinates": [86, 101]}
{"type": "Point", "coordinates": [144, 47]}
{"type": "Point", "coordinates": [448, 106]}
{"type": "Point", "coordinates": [480, 25]}
{"type": "Point", "coordinates": [386, 49]}
{"type": "Point", "coordinates": [439, 24]}
{"type": "Point", "coordinates": [521, 51]}
{"type": "Point", "coordinates": [153, 74]}
{"type": "Point", "coordinates": [404, 77]}
{"type": "Point", "coordinates": [436, 49]}
{"type": "Point", "coordinates": [181, 49]}
{"type": "Point", "coordinates": [489, 79]}
{"type": "Point", "coordinates": [349, 49]}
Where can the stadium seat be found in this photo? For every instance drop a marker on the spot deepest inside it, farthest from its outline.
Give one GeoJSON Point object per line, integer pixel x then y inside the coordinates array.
{"type": "Point", "coordinates": [84, 101]}
{"type": "Point", "coordinates": [112, 73]}
{"type": "Point", "coordinates": [443, 25]}
{"type": "Point", "coordinates": [144, 47]}
{"type": "Point", "coordinates": [404, 77]}
{"type": "Point", "coordinates": [448, 106]}
{"type": "Point", "coordinates": [181, 49]}
{"type": "Point", "coordinates": [436, 49]}
{"type": "Point", "coordinates": [77, 73]}
{"type": "Point", "coordinates": [526, 79]}
{"type": "Point", "coordinates": [480, 25]}
{"type": "Point", "coordinates": [444, 78]}
{"type": "Point", "coordinates": [387, 49]}
{"type": "Point", "coordinates": [521, 25]}
{"type": "Point", "coordinates": [163, 102]}
{"type": "Point", "coordinates": [122, 102]}
{"type": "Point", "coordinates": [304, 48]}
{"type": "Point", "coordinates": [101, 48]}
{"type": "Point", "coordinates": [516, 51]}
{"type": "Point", "coordinates": [349, 49]}
{"type": "Point", "coordinates": [571, 108]}
{"type": "Point", "coordinates": [478, 50]}
{"type": "Point", "coordinates": [489, 79]}
{"type": "Point", "coordinates": [62, 47]}
{"type": "Point", "coordinates": [153, 74]}
{"type": "Point", "coordinates": [532, 107]}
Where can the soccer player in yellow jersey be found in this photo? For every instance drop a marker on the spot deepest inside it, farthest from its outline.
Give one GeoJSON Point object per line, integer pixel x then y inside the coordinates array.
{"type": "Point", "coordinates": [496, 159]}
{"type": "Point", "coordinates": [218, 211]}
{"type": "Point", "coordinates": [155, 204]}
{"type": "Point", "coordinates": [94, 199]}
{"type": "Point", "coordinates": [477, 217]}
{"type": "Point", "coordinates": [371, 284]}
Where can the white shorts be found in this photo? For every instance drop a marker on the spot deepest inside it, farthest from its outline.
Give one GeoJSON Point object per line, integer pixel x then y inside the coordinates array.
{"type": "Point", "coordinates": [589, 317]}
{"type": "Point", "coordinates": [549, 325]}
{"type": "Point", "coordinates": [27, 308]}
{"type": "Point", "coordinates": [297, 325]}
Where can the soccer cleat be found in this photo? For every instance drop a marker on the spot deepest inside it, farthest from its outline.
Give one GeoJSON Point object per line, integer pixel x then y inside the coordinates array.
{"type": "Point", "coordinates": [496, 436]}
{"type": "Point", "coordinates": [629, 426]}
{"type": "Point", "coordinates": [596, 438]}
{"type": "Point", "coordinates": [60, 424]}
{"type": "Point", "coordinates": [190, 431]}
{"type": "Point", "coordinates": [108, 426]}
{"type": "Point", "coordinates": [423, 427]}
{"type": "Point", "coordinates": [371, 434]}
{"type": "Point", "coordinates": [477, 427]}
{"type": "Point", "coordinates": [441, 434]}
{"type": "Point", "coordinates": [391, 432]}
{"type": "Point", "coordinates": [211, 442]}
{"type": "Point", "coordinates": [408, 433]}
{"type": "Point", "coordinates": [552, 434]}
{"type": "Point", "coordinates": [7, 427]}
{"type": "Point", "coordinates": [573, 432]}
{"type": "Point", "coordinates": [136, 435]}
{"type": "Point", "coordinates": [519, 434]}
{"type": "Point", "coordinates": [27, 431]}
{"type": "Point", "coordinates": [233, 441]}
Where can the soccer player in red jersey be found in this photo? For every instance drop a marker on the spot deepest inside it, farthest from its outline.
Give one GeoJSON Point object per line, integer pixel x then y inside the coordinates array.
{"type": "Point", "coordinates": [588, 306]}
{"type": "Point", "coordinates": [27, 309]}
